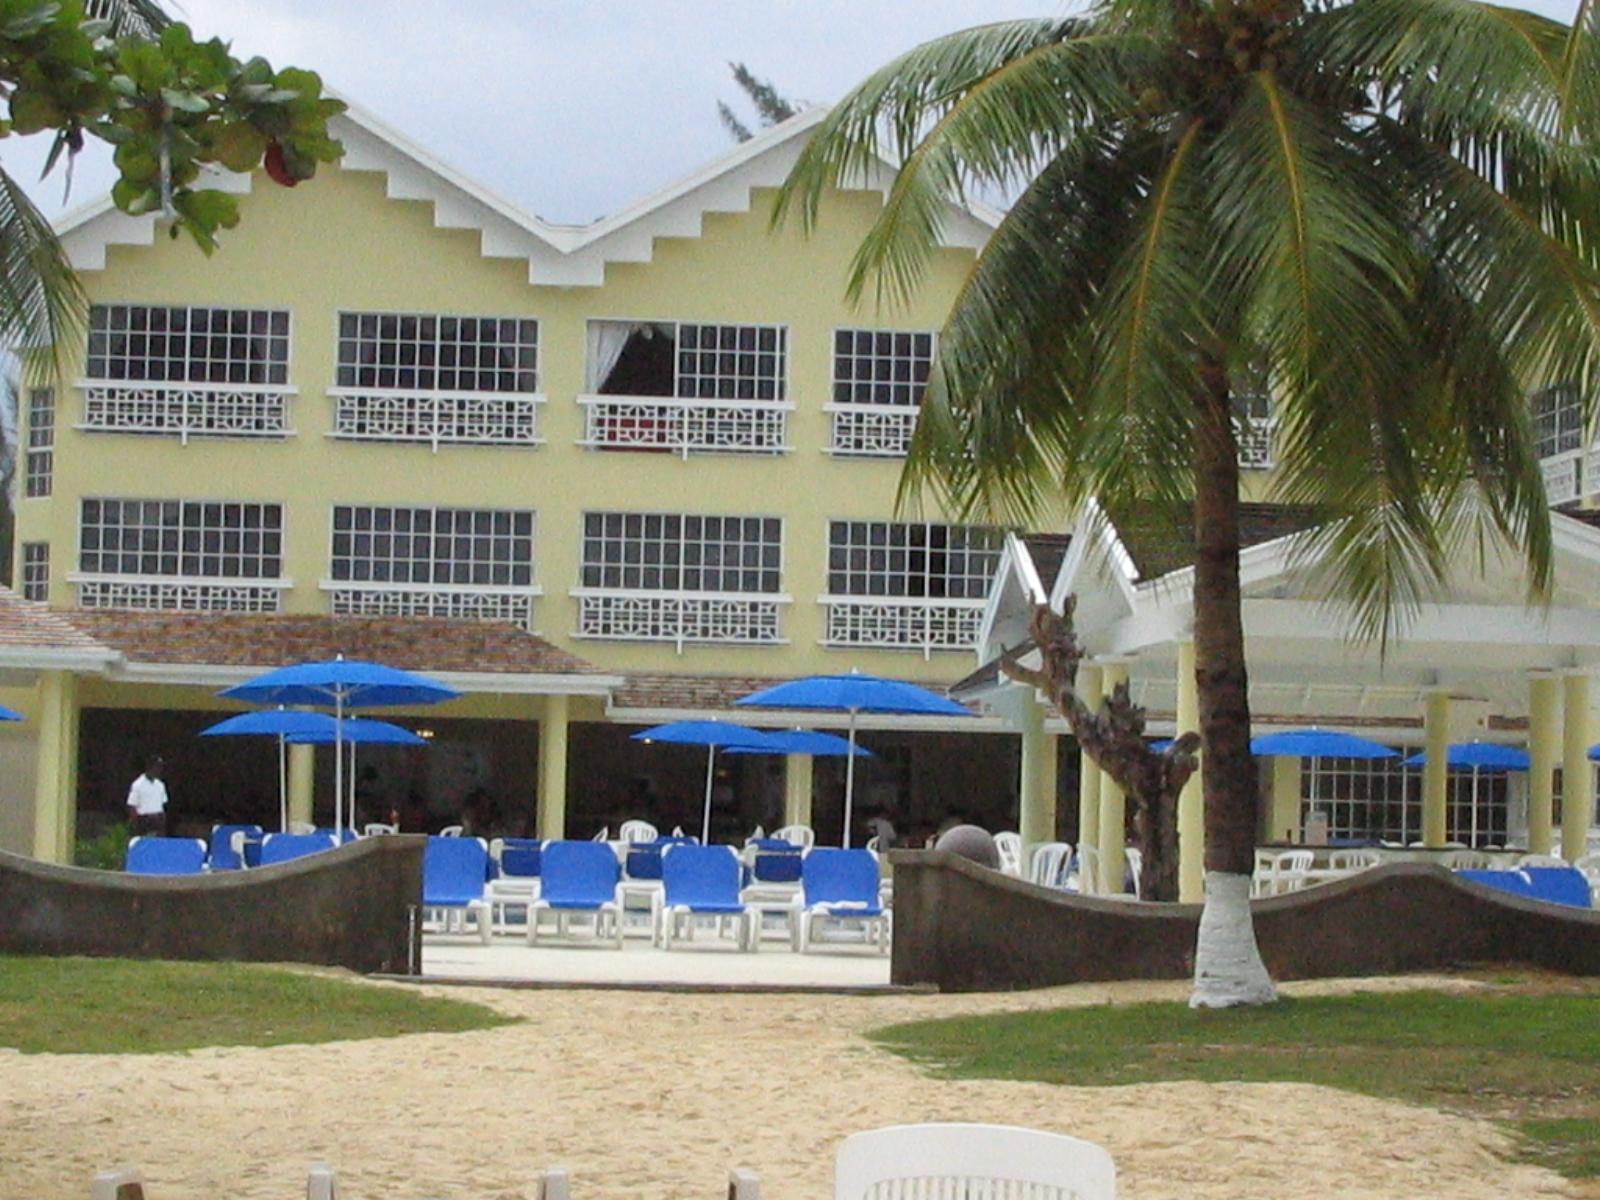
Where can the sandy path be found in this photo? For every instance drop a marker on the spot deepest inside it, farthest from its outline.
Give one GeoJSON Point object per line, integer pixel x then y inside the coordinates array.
{"type": "Point", "coordinates": [646, 1096]}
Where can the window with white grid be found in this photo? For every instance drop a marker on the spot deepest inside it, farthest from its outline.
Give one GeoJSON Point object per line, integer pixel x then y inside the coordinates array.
{"type": "Point", "coordinates": [1365, 798]}
{"type": "Point", "coordinates": [427, 352]}
{"type": "Point", "coordinates": [676, 552]}
{"type": "Point", "coordinates": [146, 343]}
{"type": "Point", "coordinates": [732, 362]}
{"type": "Point", "coordinates": [198, 539]}
{"type": "Point", "coordinates": [433, 546]}
{"type": "Point", "coordinates": [1557, 420]}
{"type": "Point", "coordinates": [39, 464]}
{"type": "Point", "coordinates": [36, 571]}
{"type": "Point", "coordinates": [913, 560]}
{"type": "Point", "coordinates": [878, 366]}
{"type": "Point", "coordinates": [1255, 430]}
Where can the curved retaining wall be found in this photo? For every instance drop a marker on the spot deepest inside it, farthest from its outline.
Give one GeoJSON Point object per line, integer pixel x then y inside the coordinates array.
{"type": "Point", "coordinates": [963, 927]}
{"type": "Point", "coordinates": [349, 907]}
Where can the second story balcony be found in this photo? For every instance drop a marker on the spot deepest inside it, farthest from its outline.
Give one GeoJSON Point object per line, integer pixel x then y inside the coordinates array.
{"type": "Point", "coordinates": [455, 601]}
{"type": "Point", "coordinates": [901, 623]}
{"type": "Point", "coordinates": [186, 410]}
{"type": "Point", "coordinates": [163, 593]}
{"type": "Point", "coordinates": [684, 426]}
{"type": "Point", "coordinates": [871, 430]}
{"type": "Point", "coordinates": [436, 418]}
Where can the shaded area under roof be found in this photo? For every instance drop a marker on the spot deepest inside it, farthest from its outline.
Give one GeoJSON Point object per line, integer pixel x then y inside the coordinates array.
{"type": "Point", "coordinates": [1048, 552]}
{"type": "Point", "coordinates": [1160, 537]}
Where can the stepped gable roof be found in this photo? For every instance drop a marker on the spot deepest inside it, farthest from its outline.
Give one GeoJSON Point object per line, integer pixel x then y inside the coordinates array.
{"type": "Point", "coordinates": [272, 640]}
{"type": "Point", "coordinates": [1160, 538]}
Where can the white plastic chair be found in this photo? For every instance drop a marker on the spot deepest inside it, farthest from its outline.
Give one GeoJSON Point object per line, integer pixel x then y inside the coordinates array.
{"type": "Point", "coordinates": [635, 833]}
{"type": "Point", "coordinates": [452, 831]}
{"type": "Point", "coordinates": [1009, 846]}
{"type": "Point", "coordinates": [1089, 870]}
{"type": "Point", "coordinates": [302, 827]}
{"type": "Point", "coordinates": [1135, 859]}
{"type": "Point", "coordinates": [378, 829]}
{"type": "Point", "coordinates": [1280, 871]}
{"type": "Point", "coordinates": [908, 1162]}
{"type": "Point", "coordinates": [603, 836]}
{"type": "Point", "coordinates": [801, 835]}
{"type": "Point", "coordinates": [1353, 862]}
{"type": "Point", "coordinates": [1465, 860]}
{"type": "Point", "coordinates": [1589, 864]}
{"type": "Point", "coordinates": [1048, 867]}
{"type": "Point", "coordinates": [1540, 860]}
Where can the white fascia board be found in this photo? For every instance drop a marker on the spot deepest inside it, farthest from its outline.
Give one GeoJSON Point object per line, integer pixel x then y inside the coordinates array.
{"type": "Point", "coordinates": [1014, 568]}
{"type": "Point", "coordinates": [40, 658]}
{"type": "Point", "coordinates": [224, 676]}
{"type": "Point", "coordinates": [87, 231]}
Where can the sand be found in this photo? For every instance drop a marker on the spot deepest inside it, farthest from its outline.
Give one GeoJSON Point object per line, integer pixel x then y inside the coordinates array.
{"type": "Point", "coordinates": [654, 1095]}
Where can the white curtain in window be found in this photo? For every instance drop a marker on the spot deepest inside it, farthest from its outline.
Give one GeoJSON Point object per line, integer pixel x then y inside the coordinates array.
{"type": "Point", "coordinates": [606, 342]}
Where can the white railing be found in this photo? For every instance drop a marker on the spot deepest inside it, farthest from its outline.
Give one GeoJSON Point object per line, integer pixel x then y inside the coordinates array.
{"type": "Point", "coordinates": [686, 426]}
{"type": "Point", "coordinates": [186, 410]}
{"type": "Point", "coordinates": [902, 623]}
{"type": "Point", "coordinates": [437, 418]}
{"type": "Point", "coordinates": [151, 593]}
{"type": "Point", "coordinates": [1563, 476]}
{"type": "Point", "coordinates": [679, 617]}
{"type": "Point", "coordinates": [872, 430]}
{"type": "Point", "coordinates": [459, 602]}
{"type": "Point", "coordinates": [1257, 443]}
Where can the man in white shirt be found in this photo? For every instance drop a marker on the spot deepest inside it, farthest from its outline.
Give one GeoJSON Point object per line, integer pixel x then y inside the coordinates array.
{"type": "Point", "coordinates": [147, 800]}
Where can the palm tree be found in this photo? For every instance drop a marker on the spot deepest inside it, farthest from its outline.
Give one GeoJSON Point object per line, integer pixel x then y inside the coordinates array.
{"type": "Point", "coordinates": [1389, 207]}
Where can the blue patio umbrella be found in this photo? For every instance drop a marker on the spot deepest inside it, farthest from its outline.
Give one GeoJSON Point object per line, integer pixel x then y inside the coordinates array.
{"type": "Point", "coordinates": [357, 731]}
{"type": "Point", "coordinates": [854, 693]}
{"type": "Point", "coordinates": [1317, 743]}
{"type": "Point", "coordinates": [804, 741]}
{"type": "Point", "coordinates": [341, 683]}
{"type": "Point", "coordinates": [10, 714]}
{"type": "Point", "coordinates": [280, 722]}
{"type": "Point", "coordinates": [710, 734]}
{"type": "Point", "coordinates": [1480, 756]}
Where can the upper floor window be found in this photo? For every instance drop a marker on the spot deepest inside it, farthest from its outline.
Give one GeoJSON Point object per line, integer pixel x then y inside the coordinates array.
{"type": "Point", "coordinates": [679, 577]}
{"type": "Point", "coordinates": [146, 343]}
{"type": "Point", "coordinates": [877, 366]}
{"type": "Point", "coordinates": [432, 546]}
{"type": "Point", "coordinates": [911, 560]}
{"type": "Point", "coordinates": [180, 554]}
{"type": "Point", "coordinates": [1256, 429]}
{"type": "Point", "coordinates": [40, 463]}
{"type": "Point", "coordinates": [690, 361]}
{"type": "Point", "coordinates": [422, 352]}
{"type": "Point", "coordinates": [1557, 420]}
{"type": "Point", "coordinates": [36, 571]}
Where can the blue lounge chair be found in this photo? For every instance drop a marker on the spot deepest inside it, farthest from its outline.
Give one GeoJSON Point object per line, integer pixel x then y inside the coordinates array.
{"type": "Point", "coordinates": [1553, 885]}
{"type": "Point", "coordinates": [517, 884]}
{"type": "Point", "coordinates": [840, 887]}
{"type": "Point", "coordinates": [224, 857]}
{"type": "Point", "coordinates": [701, 881]}
{"type": "Point", "coordinates": [166, 856]}
{"type": "Point", "coordinates": [519, 858]}
{"type": "Point", "coordinates": [455, 872]}
{"type": "Point", "coordinates": [285, 847]}
{"type": "Point", "coordinates": [774, 860]}
{"type": "Point", "coordinates": [338, 837]}
{"type": "Point", "coordinates": [578, 879]}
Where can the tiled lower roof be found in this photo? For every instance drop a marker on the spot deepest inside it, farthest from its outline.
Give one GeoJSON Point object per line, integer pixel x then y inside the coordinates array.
{"type": "Point", "coordinates": [1160, 538]}
{"type": "Point", "coordinates": [27, 625]}
{"type": "Point", "coordinates": [271, 640]}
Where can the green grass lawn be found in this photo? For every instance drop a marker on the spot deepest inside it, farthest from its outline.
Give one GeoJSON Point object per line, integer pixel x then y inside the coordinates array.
{"type": "Point", "coordinates": [1524, 1053]}
{"type": "Point", "coordinates": [118, 1006]}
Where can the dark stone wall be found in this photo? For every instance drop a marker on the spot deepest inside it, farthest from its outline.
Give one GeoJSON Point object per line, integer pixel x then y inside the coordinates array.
{"type": "Point", "coordinates": [349, 907]}
{"type": "Point", "coordinates": [963, 927]}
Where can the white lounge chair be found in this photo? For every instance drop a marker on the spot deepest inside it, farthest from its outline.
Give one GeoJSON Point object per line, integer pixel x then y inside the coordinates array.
{"type": "Point", "coordinates": [1048, 867]}
{"type": "Point", "coordinates": [1009, 846]}
{"type": "Point", "coordinates": [909, 1161]}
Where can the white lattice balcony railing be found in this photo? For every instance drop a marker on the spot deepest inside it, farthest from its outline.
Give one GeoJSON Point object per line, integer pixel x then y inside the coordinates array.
{"type": "Point", "coordinates": [679, 617]}
{"type": "Point", "coordinates": [1563, 476]}
{"type": "Point", "coordinates": [902, 623]}
{"type": "Point", "coordinates": [460, 602]}
{"type": "Point", "coordinates": [186, 410]}
{"type": "Point", "coordinates": [151, 593]}
{"type": "Point", "coordinates": [1257, 443]}
{"type": "Point", "coordinates": [871, 430]}
{"type": "Point", "coordinates": [686, 426]}
{"type": "Point", "coordinates": [437, 418]}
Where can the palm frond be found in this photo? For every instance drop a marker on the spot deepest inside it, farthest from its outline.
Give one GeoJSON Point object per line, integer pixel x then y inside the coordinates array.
{"type": "Point", "coordinates": [884, 117]}
{"type": "Point", "coordinates": [42, 305]}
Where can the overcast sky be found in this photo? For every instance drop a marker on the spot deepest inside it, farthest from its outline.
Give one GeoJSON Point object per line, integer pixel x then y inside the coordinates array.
{"type": "Point", "coordinates": [570, 108]}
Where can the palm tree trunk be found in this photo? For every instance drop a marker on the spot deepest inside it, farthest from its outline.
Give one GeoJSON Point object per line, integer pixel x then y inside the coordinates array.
{"type": "Point", "coordinates": [1227, 970]}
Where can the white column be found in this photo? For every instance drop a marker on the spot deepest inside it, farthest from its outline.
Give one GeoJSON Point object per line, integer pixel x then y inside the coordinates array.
{"type": "Point", "coordinates": [552, 810]}
{"type": "Point", "coordinates": [1036, 800]}
{"type": "Point", "coordinates": [797, 789]}
{"type": "Point", "coordinates": [1191, 801]}
{"type": "Point", "coordinates": [1436, 735]}
{"type": "Point", "coordinates": [1544, 741]}
{"type": "Point", "coordinates": [1089, 773]}
{"type": "Point", "coordinates": [1577, 773]}
{"type": "Point", "coordinates": [1113, 804]}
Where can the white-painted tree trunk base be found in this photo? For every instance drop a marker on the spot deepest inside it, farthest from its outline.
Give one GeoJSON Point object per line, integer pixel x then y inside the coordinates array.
{"type": "Point", "coordinates": [1228, 971]}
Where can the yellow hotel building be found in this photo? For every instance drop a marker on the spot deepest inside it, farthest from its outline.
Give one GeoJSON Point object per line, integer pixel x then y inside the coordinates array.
{"type": "Point", "coordinates": [595, 477]}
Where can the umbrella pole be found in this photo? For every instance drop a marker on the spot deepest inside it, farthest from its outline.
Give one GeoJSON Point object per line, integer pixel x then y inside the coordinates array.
{"type": "Point", "coordinates": [1474, 806]}
{"type": "Point", "coordinates": [705, 816]}
{"type": "Point", "coordinates": [352, 811]}
{"type": "Point", "coordinates": [338, 766]}
{"type": "Point", "coordinates": [849, 781]}
{"type": "Point", "coordinates": [283, 786]}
